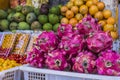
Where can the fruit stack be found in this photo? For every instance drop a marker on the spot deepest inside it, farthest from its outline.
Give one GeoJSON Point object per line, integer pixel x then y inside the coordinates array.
{"type": "Point", "coordinates": [75, 10]}
{"type": "Point", "coordinates": [86, 49]}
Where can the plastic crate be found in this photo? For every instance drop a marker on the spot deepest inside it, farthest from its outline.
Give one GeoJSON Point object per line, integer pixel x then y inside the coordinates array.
{"type": "Point", "coordinates": [11, 74]}
{"type": "Point", "coordinates": [31, 73]}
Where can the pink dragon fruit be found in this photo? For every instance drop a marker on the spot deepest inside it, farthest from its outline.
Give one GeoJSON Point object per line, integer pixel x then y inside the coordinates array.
{"type": "Point", "coordinates": [99, 41]}
{"type": "Point", "coordinates": [72, 45]}
{"type": "Point", "coordinates": [108, 63]}
{"type": "Point", "coordinates": [35, 58]}
{"type": "Point", "coordinates": [87, 26]}
{"type": "Point", "coordinates": [47, 41]}
{"type": "Point", "coordinates": [56, 60]}
{"type": "Point", "coordinates": [85, 62]}
{"type": "Point", "coordinates": [63, 29]}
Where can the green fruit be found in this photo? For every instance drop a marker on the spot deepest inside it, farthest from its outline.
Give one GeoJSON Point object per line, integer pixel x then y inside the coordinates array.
{"type": "Point", "coordinates": [60, 17]}
{"type": "Point", "coordinates": [18, 8]}
{"type": "Point", "coordinates": [23, 26]}
{"type": "Point", "coordinates": [27, 9]}
{"type": "Point", "coordinates": [42, 19]}
{"type": "Point", "coordinates": [54, 10]}
{"type": "Point", "coordinates": [55, 27]}
{"type": "Point", "coordinates": [31, 17]}
{"type": "Point", "coordinates": [35, 25]}
{"type": "Point", "coordinates": [19, 17]}
{"type": "Point", "coordinates": [3, 14]}
{"type": "Point", "coordinates": [13, 26]}
{"type": "Point", "coordinates": [53, 19]}
{"type": "Point", "coordinates": [47, 27]}
{"type": "Point", "coordinates": [10, 16]}
{"type": "Point", "coordinates": [10, 10]}
{"type": "Point", "coordinates": [4, 24]}
{"type": "Point", "coordinates": [37, 11]}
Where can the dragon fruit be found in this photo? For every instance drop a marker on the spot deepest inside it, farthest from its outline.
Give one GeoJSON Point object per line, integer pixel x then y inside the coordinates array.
{"type": "Point", "coordinates": [72, 45]}
{"type": "Point", "coordinates": [108, 63]}
{"type": "Point", "coordinates": [47, 41]}
{"type": "Point", "coordinates": [63, 29]}
{"type": "Point", "coordinates": [35, 58]}
{"type": "Point", "coordinates": [88, 25]}
{"type": "Point", "coordinates": [84, 62]}
{"type": "Point", "coordinates": [99, 41]}
{"type": "Point", "coordinates": [56, 60]}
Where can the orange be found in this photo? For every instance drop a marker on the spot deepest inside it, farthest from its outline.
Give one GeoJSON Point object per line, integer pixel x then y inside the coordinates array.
{"type": "Point", "coordinates": [69, 14]}
{"type": "Point", "coordinates": [69, 4]}
{"type": "Point", "coordinates": [101, 5]}
{"type": "Point", "coordinates": [75, 9]}
{"type": "Point", "coordinates": [102, 22]}
{"type": "Point", "coordinates": [99, 15]}
{"type": "Point", "coordinates": [95, 1]}
{"type": "Point", "coordinates": [111, 20]}
{"type": "Point", "coordinates": [93, 9]}
{"type": "Point", "coordinates": [63, 10]}
{"type": "Point", "coordinates": [89, 3]}
{"type": "Point", "coordinates": [78, 2]}
{"type": "Point", "coordinates": [83, 9]}
{"type": "Point", "coordinates": [108, 27]}
{"type": "Point", "coordinates": [114, 35]}
{"type": "Point", "coordinates": [79, 16]}
{"type": "Point", "coordinates": [107, 13]}
{"type": "Point", "coordinates": [64, 20]}
{"type": "Point", "coordinates": [73, 21]}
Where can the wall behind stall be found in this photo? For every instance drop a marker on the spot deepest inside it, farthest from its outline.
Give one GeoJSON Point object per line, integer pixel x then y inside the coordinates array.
{"type": "Point", "coordinates": [4, 4]}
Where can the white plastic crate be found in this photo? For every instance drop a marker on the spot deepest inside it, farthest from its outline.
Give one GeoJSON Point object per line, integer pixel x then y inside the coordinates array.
{"type": "Point", "coordinates": [31, 73]}
{"type": "Point", "coordinates": [116, 45]}
{"type": "Point", "coordinates": [11, 74]}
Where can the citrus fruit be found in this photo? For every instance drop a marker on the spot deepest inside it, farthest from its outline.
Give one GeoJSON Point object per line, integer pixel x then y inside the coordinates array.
{"type": "Point", "coordinates": [89, 3]}
{"type": "Point", "coordinates": [93, 9]}
{"type": "Point", "coordinates": [99, 15]}
{"type": "Point", "coordinates": [108, 27]}
{"type": "Point", "coordinates": [64, 20]}
{"type": "Point", "coordinates": [63, 10]}
{"type": "Point", "coordinates": [78, 2]}
{"type": "Point", "coordinates": [101, 5]}
{"type": "Point", "coordinates": [79, 16]}
{"type": "Point", "coordinates": [83, 9]}
{"type": "Point", "coordinates": [95, 1]}
{"type": "Point", "coordinates": [69, 4]}
{"type": "Point", "coordinates": [47, 27]}
{"type": "Point", "coordinates": [107, 13]}
{"type": "Point", "coordinates": [55, 27]}
{"type": "Point", "coordinates": [102, 22]}
{"type": "Point", "coordinates": [69, 14]}
{"type": "Point", "coordinates": [111, 20]}
{"type": "Point", "coordinates": [73, 21]}
{"type": "Point", "coordinates": [114, 35]}
{"type": "Point", "coordinates": [75, 9]}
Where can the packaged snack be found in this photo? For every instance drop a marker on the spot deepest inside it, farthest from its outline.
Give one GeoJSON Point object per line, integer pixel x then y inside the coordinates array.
{"type": "Point", "coordinates": [7, 44]}
{"type": "Point", "coordinates": [21, 43]}
{"type": "Point", "coordinates": [32, 41]}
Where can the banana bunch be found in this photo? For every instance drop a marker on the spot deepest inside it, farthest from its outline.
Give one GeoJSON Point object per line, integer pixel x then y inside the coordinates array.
{"type": "Point", "coordinates": [29, 2]}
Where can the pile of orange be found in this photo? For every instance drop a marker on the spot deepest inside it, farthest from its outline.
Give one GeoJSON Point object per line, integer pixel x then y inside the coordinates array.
{"type": "Point", "coordinates": [75, 10]}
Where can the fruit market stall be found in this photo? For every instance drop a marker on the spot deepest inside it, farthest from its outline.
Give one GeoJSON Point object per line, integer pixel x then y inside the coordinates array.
{"type": "Point", "coordinates": [60, 40]}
